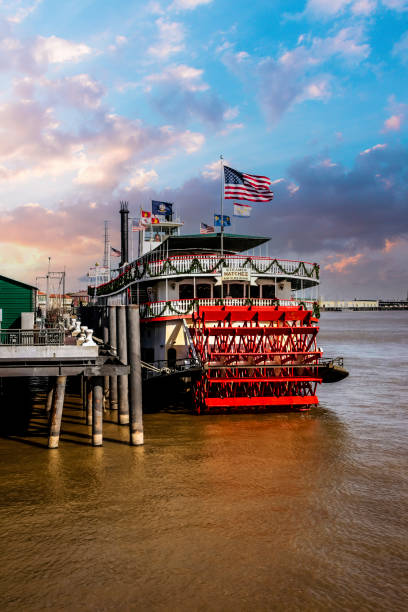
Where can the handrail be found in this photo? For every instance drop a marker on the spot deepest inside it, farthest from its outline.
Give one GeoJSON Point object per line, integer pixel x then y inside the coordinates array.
{"type": "Point", "coordinates": [204, 265]}
{"type": "Point", "coordinates": [166, 308]}
{"type": "Point", "coordinates": [32, 337]}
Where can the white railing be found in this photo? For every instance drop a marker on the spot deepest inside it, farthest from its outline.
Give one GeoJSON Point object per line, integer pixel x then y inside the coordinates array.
{"type": "Point", "coordinates": [182, 308]}
{"type": "Point", "coordinates": [211, 264]}
{"type": "Point", "coordinates": [205, 265]}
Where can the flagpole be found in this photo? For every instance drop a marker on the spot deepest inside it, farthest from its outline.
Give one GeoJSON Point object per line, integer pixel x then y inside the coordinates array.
{"type": "Point", "coordinates": [222, 220]}
{"type": "Point", "coordinates": [138, 241]}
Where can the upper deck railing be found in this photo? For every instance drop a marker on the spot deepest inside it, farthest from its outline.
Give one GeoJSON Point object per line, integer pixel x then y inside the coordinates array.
{"type": "Point", "coordinates": [204, 265]}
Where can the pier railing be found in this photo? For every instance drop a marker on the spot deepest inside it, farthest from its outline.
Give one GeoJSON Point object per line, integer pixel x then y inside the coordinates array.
{"type": "Point", "coordinates": [31, 337]}
{"type": "Point", "coordinates": [204, 265]}
{"type": "Point", "coordinates": [171, 308]}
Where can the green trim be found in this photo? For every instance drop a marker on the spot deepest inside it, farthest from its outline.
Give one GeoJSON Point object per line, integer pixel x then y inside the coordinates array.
{"type": "Point", "coordinates": [135, 272]}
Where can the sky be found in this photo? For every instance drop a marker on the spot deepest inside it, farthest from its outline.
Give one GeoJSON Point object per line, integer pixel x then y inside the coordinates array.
{"type": "Point", "coordinates": [103, 102]}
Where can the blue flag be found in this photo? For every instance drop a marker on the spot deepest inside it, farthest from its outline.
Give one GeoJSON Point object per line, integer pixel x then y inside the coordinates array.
{"type": "Point", "coordinates": [226, 220]}
{"type": "Point", "coordinates": [161, 208]}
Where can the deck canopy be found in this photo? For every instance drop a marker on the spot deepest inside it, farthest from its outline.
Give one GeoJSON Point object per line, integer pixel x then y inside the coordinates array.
{"type": "Point", "coordinates": [211, 243]}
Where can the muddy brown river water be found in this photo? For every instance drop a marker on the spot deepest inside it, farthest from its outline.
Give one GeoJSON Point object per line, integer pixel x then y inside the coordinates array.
{"type": "Point", "coordinates": [247, 512]}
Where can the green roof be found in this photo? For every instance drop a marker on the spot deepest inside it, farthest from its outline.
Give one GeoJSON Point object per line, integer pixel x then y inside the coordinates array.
{"type": "Point", "coordinates": [233, 243]}
{"type": "Point", "coordinates": [16, 282]}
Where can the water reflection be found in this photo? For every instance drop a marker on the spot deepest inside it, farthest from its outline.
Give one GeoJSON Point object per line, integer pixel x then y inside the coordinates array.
{"type": "Point", "coordinates": [242, 512]}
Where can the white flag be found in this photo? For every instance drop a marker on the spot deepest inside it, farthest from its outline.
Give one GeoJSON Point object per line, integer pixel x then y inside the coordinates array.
{"type": "Point", "coordinates": [242, 210]}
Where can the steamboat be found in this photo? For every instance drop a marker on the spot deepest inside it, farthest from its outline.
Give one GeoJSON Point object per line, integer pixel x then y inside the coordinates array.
{"type": "Point", "coordinates": [240, 329]}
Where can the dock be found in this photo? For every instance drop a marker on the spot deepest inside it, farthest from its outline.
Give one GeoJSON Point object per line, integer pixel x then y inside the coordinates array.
{"type": "Point", "coordinates": [60, 353]}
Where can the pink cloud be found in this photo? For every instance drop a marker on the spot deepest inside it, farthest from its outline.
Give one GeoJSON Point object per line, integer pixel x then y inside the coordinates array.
{"type": "Point", "coordinates": [393, 123]}
{"type": "Point", "coordinates": [390, 245]}
{"type": "Point", "coordinates": [34, 143]}
{"type": "Point", "coordinates": [344, 263]}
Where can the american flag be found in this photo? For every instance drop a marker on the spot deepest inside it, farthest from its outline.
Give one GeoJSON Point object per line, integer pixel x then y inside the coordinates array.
{"type": "Point", "coordinates": [137, 227]}
{"type": "Point", "coordinates": [206, 229]}
{"type": "Point", "coordinates": [241, 186]}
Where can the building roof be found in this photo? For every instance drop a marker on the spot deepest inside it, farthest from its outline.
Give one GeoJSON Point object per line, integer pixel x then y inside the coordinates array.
{"type": "Point", "coordinates": [233, 243]}
{"type": "Point", "coordinates": [16, 282]}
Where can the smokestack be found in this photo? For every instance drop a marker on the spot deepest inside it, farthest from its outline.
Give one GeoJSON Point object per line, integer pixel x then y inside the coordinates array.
{"type": "Point", "coordinates": [124, 233]}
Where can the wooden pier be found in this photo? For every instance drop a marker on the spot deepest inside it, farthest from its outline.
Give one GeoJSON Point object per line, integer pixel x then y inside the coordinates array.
{"type": "Point", "coordinates": [96, 365]}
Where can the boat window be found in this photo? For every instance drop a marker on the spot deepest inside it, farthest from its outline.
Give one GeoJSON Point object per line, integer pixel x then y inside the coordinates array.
{"type": "Point", "coordinates": [204, 290]}
{"type": "Point", "coordinates": [235, 290]}
{"type": "Point", "coordinates": [186, 292]}
{"type": "Point", "coordinates": [171, 357]}
{"type": "Point", "coordinates": [254, 291]}
{"type": "Point", "coordinates": [217, 291]}
{"type": "Point", "coordinates": [268, 291]}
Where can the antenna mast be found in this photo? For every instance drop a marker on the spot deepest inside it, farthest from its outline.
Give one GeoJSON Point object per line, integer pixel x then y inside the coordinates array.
{"type": "Point", "coordinates": [106, 252]}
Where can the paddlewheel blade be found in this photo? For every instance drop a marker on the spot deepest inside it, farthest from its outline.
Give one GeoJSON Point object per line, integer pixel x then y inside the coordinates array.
{"type": "Point", "coordinates": [255, 358]}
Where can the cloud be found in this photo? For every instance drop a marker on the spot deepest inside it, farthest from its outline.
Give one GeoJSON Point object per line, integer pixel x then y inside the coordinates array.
{"type": "Point", "coordinates": [231, 113]}
{"type": "Point", "coordinates": [343, 264]}
{"type": "Point", "coordinates": [390, 245]}
{"type": "Point", "coordinates": [400, 48]}
{"type": "Point", "coordinates": [35, 144]}
{"type": "Point", "coordinates": [324, 9]}
{"type": "Point", "coordinates": [78, 91]}
{"type": "Point", "coordinates": [212, 171]}
{"type": "Point", "coordinates": [170, 39]}
{"type": "Point", "coordinates": [56, 50]}
{"type": "Point", "coordinates": [120, 41]}
{"type": "Point", "coordinates": [292, 78]}
{"type": "Point", "coordinates": [396, 5]}
{"type": "Point", "coordinates": [241, 56]}
{"type": "Point", "coordinates": [181, 75]}
{"type": "Point", "coordinates": [188, 4]}
{"type": "Point", "coordinates": [141, 179]}
{"type": "Point", "coordinates": [34, 56]}
{"type": "Point", "coordinates": [23, 12]}
{"type": "Point", "coordinates": [364, 7]}
{"type": "Point", "coordinates": [346, 219]}
{"type": "Point", "coordinates": [376, 147]}
{"type": "Point", "coordinates": [179, 94]}
{"type": "Point", "coordinates": [230, 127]}
{"type": "Point", "coordinates": [393, 123]}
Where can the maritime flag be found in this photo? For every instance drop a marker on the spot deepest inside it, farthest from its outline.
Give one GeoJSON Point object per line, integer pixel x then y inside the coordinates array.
{"type": "Point", "coordinates": [226, 220]}
{"type": "Point", "coordinates": [162, 208]}
{"type": "Point", "coordinates": [242, 210]}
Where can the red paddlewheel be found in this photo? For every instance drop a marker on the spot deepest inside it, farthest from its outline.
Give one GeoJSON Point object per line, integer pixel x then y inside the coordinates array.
{"type": "Point", "coordinates": [255, 358]}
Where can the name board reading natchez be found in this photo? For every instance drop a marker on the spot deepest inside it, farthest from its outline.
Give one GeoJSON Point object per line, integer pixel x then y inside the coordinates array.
{"type": "Point", "coordinates": [237, 275]}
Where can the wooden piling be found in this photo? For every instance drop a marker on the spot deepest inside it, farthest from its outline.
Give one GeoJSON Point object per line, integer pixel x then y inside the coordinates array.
{"type": "Point", "coordinates": [89, 401]}
{"type": "Point", "coordinates": [135, 377]}
{"type": "Point", "coordinates": [106, 341]}
{"type": "Point", "coordinates": [123, 402]}
{"type": "Point", "coordinates": [50, 394]}
{"type": "Point", "coordinates": [97, 411]}
{"type": "Point", "coordinates": [113, 380]}
{"type": "Point", "coordinates": [83, 392]}
{"type": "Point", "coordinates": [56, 412]}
